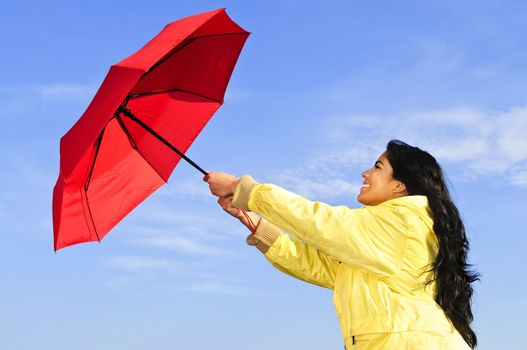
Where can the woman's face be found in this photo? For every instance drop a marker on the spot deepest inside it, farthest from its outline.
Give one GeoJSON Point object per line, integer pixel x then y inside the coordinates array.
{"type": "Point", "coordinates": [379, 185]}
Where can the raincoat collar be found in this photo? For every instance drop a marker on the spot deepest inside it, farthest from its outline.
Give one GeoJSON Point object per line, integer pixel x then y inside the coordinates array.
{"type": "Point", "coordinates": [417, 204]}
{"type": "Point", "coordinates": [415, 201]}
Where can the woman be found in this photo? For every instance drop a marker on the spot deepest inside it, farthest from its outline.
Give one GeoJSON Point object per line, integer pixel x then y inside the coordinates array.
{"type": "Point", "coordinates": [397, 266]}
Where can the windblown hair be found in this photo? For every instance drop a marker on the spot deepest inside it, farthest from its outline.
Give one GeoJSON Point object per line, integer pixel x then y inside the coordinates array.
{"type": "Point", "coordinates": [422, 175]}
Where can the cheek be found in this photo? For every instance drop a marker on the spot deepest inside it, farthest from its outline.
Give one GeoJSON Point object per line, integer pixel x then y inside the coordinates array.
{"type": "Point", "coordinates": [382, 185]}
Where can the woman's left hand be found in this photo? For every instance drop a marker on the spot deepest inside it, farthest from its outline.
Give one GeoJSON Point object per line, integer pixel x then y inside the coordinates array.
{"type": "Point", "coordinates": [221, 184]}
{"type": "Point", "coordinates": [226, 204]}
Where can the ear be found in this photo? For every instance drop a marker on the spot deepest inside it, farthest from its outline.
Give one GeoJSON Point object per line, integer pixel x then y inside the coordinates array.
{"type": "Point", "coordinates": [399, 187]}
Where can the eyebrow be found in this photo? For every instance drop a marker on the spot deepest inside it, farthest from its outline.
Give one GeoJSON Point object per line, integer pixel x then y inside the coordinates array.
{"type": "Point", "coordinates": [379, 162]}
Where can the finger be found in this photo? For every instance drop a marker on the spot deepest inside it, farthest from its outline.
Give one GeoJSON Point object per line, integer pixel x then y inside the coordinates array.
{"type": "Point", "coordinates": [225, 203]}
{"type": "Point", "coordinates": [233, 212]}
{"type": "Point", "coordinates": [251, 240]}
{"type": "Point", "coordinates": [226, 199]}
{"type": "Point", "coordinates": [230, 208]}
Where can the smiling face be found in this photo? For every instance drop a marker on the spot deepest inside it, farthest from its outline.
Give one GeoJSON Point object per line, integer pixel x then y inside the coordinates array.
{"type": "Point", "coordinates": [379, 184]}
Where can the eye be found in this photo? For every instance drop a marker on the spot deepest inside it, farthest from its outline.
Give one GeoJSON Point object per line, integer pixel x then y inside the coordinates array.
{"type": "Point", "coordinates": [377, 167]}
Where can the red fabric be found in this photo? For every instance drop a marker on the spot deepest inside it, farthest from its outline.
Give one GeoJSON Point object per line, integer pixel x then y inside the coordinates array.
{"type": "Point", "coordinates": [180, 77]}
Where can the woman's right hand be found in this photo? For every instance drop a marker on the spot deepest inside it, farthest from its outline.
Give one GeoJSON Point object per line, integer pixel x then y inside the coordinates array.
{"type": "Point", "coordinates": [221, 184]}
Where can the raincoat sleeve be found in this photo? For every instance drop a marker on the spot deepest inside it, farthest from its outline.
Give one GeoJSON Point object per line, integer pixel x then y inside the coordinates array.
{"type": "Point", "coordinates": [295, 258]}
{"type": "Point", "coordinates": [371, 239]}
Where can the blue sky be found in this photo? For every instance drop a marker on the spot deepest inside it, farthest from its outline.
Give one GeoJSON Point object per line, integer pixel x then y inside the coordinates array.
{"type": "Point", "coordinates": [318, 91]}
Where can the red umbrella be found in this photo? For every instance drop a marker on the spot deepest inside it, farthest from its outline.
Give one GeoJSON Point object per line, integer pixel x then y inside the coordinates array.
{"type": "Point", "coordinates": [146, 114]}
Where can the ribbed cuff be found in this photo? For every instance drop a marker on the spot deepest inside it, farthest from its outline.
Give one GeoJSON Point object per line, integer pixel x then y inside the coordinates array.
{"type": "Point", "coordinates": [266, 232]}
{"type": "Point", "coordinates": [262, 247]}
{"type": "Point", "coordinates": [240, 198]}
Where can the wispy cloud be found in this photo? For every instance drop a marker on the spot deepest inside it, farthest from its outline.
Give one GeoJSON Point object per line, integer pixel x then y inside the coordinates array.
{"type": "Point", "coordinates": [176, 241]}
{"type": "Point", "coordinates": [234, 94]}
{"type": "Point", "coordinates": [225, 289]}
{"type": "Point", "coordinates": [519, 177]}
{"type": "Point", "coordinates": [185, 276]}
{"type": "Point", "coordinates": [26, 193]}
{"type": "Point", "coordinates": [478, 144]}
{"type": "Point", "coordinates": [16, 100]}
{"type": "Point", "coordinates": [141, 264]}
{"type": "Point", "coordinates": [191, 187]}
{"type": "Point", "coordinates": [77, 92]}
{"type": "Point", "coordinates": [162, 212]}
{"type": "Point", "coordinates": [200, 232]}
{"type": "Point", "coordinates": [317, 186]}
{"type": "Point", "coordinates": [134, 285]}
{"type": "Point", "coordinates": [482, 144]}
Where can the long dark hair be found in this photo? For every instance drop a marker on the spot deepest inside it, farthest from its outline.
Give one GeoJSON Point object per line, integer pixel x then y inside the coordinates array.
{"type": "Point", "coordinates": [422, 175]}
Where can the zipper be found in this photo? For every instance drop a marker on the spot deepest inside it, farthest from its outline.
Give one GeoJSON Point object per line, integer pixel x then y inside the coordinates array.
{"type": "Point", "coordinates": [352, 341]}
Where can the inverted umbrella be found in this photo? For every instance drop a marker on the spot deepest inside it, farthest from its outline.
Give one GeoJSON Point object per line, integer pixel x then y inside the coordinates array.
{"type": "Point", "coordinates": [146, 114]}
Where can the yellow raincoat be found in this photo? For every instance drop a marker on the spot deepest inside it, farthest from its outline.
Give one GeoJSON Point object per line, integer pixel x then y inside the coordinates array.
{"type": "Point", "coordinates": [374, 258]}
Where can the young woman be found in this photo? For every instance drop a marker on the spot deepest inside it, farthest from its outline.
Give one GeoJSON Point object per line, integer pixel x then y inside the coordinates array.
{"type": "Point", "coordinates": [397, 266]}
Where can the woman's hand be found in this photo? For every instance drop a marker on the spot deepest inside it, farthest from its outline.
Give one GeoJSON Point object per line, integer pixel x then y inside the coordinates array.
{"type": "Point", "coordinates": [251, 240]}
{"type": "Point", "coordinates": [221, 184]}
{"type": "Point", "coordinates": [226, 204]}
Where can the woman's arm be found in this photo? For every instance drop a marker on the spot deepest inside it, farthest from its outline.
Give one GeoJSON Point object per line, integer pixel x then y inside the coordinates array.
{"type": "Point", "coordinates": [294, 258]}
{"type": "Point", "coordinates": [288, 255]}
{"type": "Point", "coordinates": [371, 238]}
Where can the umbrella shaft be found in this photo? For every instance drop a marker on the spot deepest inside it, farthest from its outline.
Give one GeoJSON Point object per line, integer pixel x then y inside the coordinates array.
{"type": "Point", "coordinates": [130, 115]}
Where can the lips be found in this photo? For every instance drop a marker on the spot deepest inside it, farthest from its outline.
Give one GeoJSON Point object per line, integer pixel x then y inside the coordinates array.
{"type": "Point", "coordinates": [365, 186]}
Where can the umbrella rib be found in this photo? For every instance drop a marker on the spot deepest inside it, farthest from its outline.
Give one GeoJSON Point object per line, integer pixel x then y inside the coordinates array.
{"type": "Point", "coordinates": [125, 129]}
{"type": "Point", "coordinates": [91, 216]}
{"type": "Point", "coordinates": [88, 180]}
{"type": "Point", "coordinates": [130, 115]}
{"type": "Point", "coordinates": [175, 50]}
{"type": "Point", "coordinates": [97, 147]}
{"type": "Point", "coordinates": [220, 34]}
{"type": "Point", "coordinates": [134, 145]}
{"type": "Point", "coordinates": [181, 46]}
{"type": "Point", "coordinates": [172, 90]}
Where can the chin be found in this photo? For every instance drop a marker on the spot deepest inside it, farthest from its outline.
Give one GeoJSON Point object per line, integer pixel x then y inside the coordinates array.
{"type": "Point", "coordinates": [361, 200]}
{"type": "Point", "coordinates": [364, 200]}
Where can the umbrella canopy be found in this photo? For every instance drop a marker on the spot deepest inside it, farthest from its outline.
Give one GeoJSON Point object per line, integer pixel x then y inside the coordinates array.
{"type": "Point", "coordinates": [146, 114]}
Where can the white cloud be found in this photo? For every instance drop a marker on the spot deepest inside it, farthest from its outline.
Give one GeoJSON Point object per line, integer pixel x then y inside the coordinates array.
{"type": "Point", "coordinates": [186, 245]}
{"type": "Point", "coordinates": [326, 188]}
{"type": "Point", "coordinates": [17, 100]}
{"type": "Point", "coordinates": [191, 187]}
{"type": "Point", "coordinates": [25, 181]}
{"type": "Point", "coordinates": [151, 272]}
{"type": "Point", "coordinates": [512, 134]}
{"type": "Point", "coordinates": [134, 285]}
{"type": "Point", "coordinates": [139, 263]}
{"type": "Point", "coordinates": [225, 289]}
{"type": "Point", "coordinates": [234, 94]}
{"type": "Point", "coordinates": [519, 177]}
{"type": "Point", "coordinates": [167, 213]}
{"type": "Point", "coordinates": [76, 92]}
{"type": "Point", "coordinates": [479, 144]}
{"type": "Point", "coordinates": [182, 230]}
